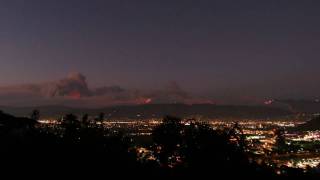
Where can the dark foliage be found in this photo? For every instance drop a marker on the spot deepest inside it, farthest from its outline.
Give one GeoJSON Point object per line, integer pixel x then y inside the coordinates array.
{"type": "Point", "coordinates": [84, 149]}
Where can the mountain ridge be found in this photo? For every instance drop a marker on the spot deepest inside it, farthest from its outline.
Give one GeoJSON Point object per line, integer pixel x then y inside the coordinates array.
{"type": "Point", "coordinates": [157, 111]}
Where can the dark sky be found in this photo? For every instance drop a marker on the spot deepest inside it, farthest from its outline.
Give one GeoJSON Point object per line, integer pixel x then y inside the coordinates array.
{"type": "Point", "coordinates": [268, 48]}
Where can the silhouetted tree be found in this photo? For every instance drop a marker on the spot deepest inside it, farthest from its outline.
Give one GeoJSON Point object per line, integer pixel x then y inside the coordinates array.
{"type": "Point", "coordinates": [208, 151]}
{"type": "Point", "coordinates": [85, 120]}
{"type": "Point", "coordinates": [35, 115]}
{"type": "Point", "coordinates": [70, 119]}
{"type": "Point", "coordinates": [101, 117]}
{"type": "Point", "coordinates": [167, 138]}
{"type": "Point", "coordinates": [280, 145]}
{"type": "Point", "coordinates": [71, 125]}
{"type": "Point", "coordinates": [196, 149]}
{"type": "Point", "coordinates": [237, 133]}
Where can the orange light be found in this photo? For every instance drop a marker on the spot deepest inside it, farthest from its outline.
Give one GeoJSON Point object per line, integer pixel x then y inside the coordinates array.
{"type": "Point", "coordinates": [75, 95]}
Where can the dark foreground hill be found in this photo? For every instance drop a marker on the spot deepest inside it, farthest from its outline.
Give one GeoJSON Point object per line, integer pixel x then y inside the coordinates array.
{"type": "Point", "coordinates": [7, 120]}
{"type": "Point", "coordinates": [158, 111]}
{"type": "Point", "coordinates": [178, 151]}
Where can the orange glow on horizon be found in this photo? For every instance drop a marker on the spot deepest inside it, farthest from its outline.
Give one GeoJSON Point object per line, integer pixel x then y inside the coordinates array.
{"type": "Point", "coordinates": [75, 95]}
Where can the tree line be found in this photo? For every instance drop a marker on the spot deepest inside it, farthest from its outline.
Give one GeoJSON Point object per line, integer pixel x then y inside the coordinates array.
{"type": "Point", "coordinates": [178, 150]}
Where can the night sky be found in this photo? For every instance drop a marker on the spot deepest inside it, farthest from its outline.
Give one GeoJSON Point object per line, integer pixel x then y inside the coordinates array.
{"type": "Point", "coordinates": [223, 48]}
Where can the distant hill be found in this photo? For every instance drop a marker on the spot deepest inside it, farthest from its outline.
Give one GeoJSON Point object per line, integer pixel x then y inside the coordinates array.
{"type": "Point", "coordinates": [312, 125]}
{"type": "Point", "coordinates": [302, 106]}
{"type": "Point", "coordinates": [158, 111]}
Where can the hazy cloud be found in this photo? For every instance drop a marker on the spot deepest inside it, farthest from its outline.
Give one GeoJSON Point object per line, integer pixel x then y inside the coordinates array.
{"type": "Point", "coordinates": [74, 91]}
